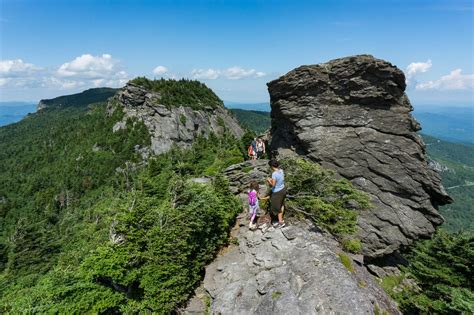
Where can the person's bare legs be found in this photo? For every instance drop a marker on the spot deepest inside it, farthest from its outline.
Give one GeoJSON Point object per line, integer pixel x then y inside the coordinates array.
{"type": "Point", "coordinates": [280, 214]}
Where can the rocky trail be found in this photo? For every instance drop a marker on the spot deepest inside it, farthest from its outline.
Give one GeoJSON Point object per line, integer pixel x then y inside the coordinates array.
{"type": "Point", "coordinates": [296, 269]}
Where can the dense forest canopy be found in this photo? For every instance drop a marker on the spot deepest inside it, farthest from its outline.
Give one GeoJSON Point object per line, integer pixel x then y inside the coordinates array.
{"type": "Point", "coordinates": [89, 225]}
{"type": "Point", "coordinates": [89, 96]}
{"type": "Point", "coordinates": [183, 92]}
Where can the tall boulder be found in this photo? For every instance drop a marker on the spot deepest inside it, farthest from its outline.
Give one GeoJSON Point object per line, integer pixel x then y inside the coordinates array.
{"type": "Point", "coordinates": [352, 115]}
{"type": "Point", "coordinates": [171, 125]}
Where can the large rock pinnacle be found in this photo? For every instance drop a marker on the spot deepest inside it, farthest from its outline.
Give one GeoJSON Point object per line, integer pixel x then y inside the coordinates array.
{"type": "Point", "coordinates": [172, 125]}
{"type": "Point", "coordinates": [352, 115]}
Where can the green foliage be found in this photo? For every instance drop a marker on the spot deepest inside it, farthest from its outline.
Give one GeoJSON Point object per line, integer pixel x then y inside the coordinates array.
{"type": "Point", "coordinates": [352, 245]}
{"type": "Point", "coordinates": [443, 269]}
{"type": "Point", "coordinates": [378, 311]}
{"type": "Point", "coordinates": [87, 228]}
{"type": "Point", "coordinates": [183, 92]}
{"type": "Point", "coordinates": [182, 119]}
{"type": "Point", "coordinates": [317, 193]}
{"type": "Point", "coordinates": [458, 181]}
{"type": "Point", "coordinates": [346, 261]}
{"type": "Point", "coordinates": [167, 244]}
{"type": "Point", "coordinates": [449, 150]}
{"type": "Point", "coordinates": [257, 121]}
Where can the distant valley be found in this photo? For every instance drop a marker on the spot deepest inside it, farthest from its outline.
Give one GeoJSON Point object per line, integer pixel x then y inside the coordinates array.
{"type": "Point", "coordinates": [11, 112]}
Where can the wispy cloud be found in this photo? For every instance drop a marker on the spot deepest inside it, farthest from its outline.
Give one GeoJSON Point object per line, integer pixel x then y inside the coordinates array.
{"type": "Point", "coordinates": [232, 73]}
{"type": "Point", "coordinates": [205, 74]}
{"type": "Point", "coordinates": [455, 80]}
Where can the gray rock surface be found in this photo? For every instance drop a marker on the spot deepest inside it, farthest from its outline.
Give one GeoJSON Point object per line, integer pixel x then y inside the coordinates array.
{"type": "Point", "coordinates": [293, 270]}
{"type": "Point", "coordinates": [240, 175]}
{"type": "Point", "coordinates": [178, 125]}
{"type": "Point", "coordinates": [352, 115]}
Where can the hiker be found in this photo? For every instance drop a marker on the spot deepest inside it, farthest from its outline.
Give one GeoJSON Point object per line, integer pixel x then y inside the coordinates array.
{"type": "Point", "coordinates": [251, 152]}
{"type": "Point", "coordinates": [254, 147]}
{"type": "Point", "coordinates": [254, 207]}
{"type": "Point", "coordinates": [260, 148]}
{"type": "Point", "coordinates": [277, 198]}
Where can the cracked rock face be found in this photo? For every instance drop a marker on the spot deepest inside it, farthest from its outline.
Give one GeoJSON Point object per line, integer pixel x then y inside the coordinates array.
{"type": "Point", "coordinates": [352, 115]}
{"type": "Point", "coordinates": [178, 125]}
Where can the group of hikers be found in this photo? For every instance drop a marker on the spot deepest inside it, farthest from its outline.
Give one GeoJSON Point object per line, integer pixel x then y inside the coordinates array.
{"type": "Point", "coordinates": [277, 198]}
{"type": "Point", "coordinates": [256, 149]}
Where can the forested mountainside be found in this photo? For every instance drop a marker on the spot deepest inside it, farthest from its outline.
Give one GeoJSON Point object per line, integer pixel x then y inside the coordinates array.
{"type": "Point", "coordinates": [455, 162]}
{"type": "Point", "coordinates": [92, 221]}
{"type": "Point", "coordinates": [89, 96]}
{"type": "Point", "coordinates": [88, 226]}
{"type": "Point", "coordinates": [257, 121]}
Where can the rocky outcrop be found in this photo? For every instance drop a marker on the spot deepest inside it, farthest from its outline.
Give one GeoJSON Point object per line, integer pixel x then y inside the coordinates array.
{"type": "Point", "coordinates": [352, 115]}
{"type": "Point", "coordinates": [241, 175]}
{"type": "Point", "coordinates": [296, 269]}
{"type": "Point", "coordinates": [169, 125]}
{"type": "Point", "coordinates": [293, 270]}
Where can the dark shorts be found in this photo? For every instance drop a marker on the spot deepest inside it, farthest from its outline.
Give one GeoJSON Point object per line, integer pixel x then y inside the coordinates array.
{"type": "Point", "coordinates": [260, 154]}
{"type": "Point", "coordinates": [276, 201]}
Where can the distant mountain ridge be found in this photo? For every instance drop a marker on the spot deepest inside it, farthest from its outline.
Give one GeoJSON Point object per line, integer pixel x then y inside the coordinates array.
{"type": "Point", "coordinates": [89, 96]}
{"type": "Point", "coordinates": [455, 124]}
{"type": "Point", "coordinates": [262, 107]}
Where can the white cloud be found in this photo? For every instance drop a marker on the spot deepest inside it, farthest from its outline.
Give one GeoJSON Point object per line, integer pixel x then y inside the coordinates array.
{"type": "Point", "coordinates": [202, 74]}
{"type": "Point", "coordinates": [417, 67]}
{"type": "Point", "coordinates": [160, 70]}
{"type": "Point", "coordinates": [16, 68]}
{"type": "Point", "coordinates": [232, 73]}
{"type": "Point", "coordinates": [92, 67]}
{"type": "Point", "coordinates": [455, 80]}
{"type": "Point", "coordinates": [237, 73]}
{"type": "Point", "coordinates": [84, 71]}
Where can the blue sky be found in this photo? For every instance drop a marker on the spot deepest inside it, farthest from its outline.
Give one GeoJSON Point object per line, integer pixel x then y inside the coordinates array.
{"type": "Point", "coordinates": [51, 48]}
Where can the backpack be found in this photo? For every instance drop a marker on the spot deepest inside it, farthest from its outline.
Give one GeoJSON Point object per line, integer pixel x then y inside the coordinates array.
{"type": "Point", "coordinates": [251, 151]}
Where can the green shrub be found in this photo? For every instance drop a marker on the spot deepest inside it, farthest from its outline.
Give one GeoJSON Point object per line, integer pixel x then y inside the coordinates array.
{"type": "Point", "coordinates": [317, 194]}
{"type": "Point", "coordinates": [352, 245]}
{"type": "Point", "coordinates": [442, 269]}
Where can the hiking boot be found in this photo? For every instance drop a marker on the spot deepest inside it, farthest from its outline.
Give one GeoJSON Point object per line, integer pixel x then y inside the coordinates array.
{"type": "Point", "coordinates": [275, 224]}
{"type": "Point", "coordinates": [281, 225]}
